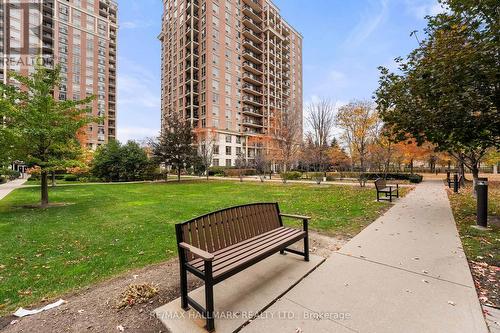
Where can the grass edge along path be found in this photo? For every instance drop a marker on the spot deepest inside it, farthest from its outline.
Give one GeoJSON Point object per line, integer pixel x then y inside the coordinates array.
{"type": "Point", "coordinates": [106, 230]}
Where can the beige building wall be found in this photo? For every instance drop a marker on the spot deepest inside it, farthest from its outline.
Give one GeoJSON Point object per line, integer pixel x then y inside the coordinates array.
{"type": "Point", "coordinates": [233, 66]}
{"type": "Point", "coordinates": [80, 35]}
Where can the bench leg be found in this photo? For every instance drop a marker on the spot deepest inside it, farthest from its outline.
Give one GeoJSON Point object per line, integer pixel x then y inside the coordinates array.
{"type": "Point", "coordinates": [184, 288]}
{"type": "Point", "coordinates": [282, 252]}
{"type": "Point", "coordinates": [378, 196]}
{"type": "Point", "coordinates": [209, 297]}
{"type": "Point", "coordinates": [305, 226]}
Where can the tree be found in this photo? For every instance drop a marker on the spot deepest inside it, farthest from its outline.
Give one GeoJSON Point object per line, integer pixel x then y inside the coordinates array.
{"type": "Point", "coordinates": [288, 139]}
{"type": "Point", "coordinates": [115, 162]}
{"type": "Point", "coordinates": [359, 122]}
{"type": "Point", "coordinates": [44, 127]}
{"type": "Point", "coordinates": [240, 163]}
{"type": "Point", "coordinates": [174, 147]}
{"type": "Point", "coordinates": [338, 157]}
{"type": "Point", "coordinates": [321, 119]}
{"type": "Point", "coordinates": [136, 164]}
{"type": "Point", "coordinates": [447, 91]}
{"type": "Point", "coordinates": [207, 141]}
{"type": "Point", "coordinates": [107, 163]}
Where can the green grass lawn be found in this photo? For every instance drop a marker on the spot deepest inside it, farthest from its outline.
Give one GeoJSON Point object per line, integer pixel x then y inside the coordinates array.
{"type": "Point", "coordinates": [483, 246]}
{"type": "Point", "coordinates": [109, 229]}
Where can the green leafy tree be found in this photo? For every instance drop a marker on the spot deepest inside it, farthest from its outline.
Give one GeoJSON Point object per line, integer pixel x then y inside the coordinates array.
{"type": "Point", "coordinates": [107, 162]}
{"type": "Point", "coordinates": [447, 91]}
{"type": "Point", "coordinates": [174, 147]}
{"type": "Point", "coordinates": [115, 162]}
{"type": "Point", "coordinates": [43, 126]}
{"type": "Point", "coordinates": [136, 164]}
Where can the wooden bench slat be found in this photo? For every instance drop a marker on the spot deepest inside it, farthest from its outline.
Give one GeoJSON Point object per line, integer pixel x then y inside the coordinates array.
{"type": "Point", "coordinates": [248, 245]}
{"type": "Point", "coordinates": [242, 253]}
{"type": "Point", "coordinates": [228, 250]}
{"type": "Point", "coordinates": [268, 248]}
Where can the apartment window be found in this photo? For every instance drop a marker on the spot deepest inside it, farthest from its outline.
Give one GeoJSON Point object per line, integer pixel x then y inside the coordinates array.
{"type": "Point", "coordinates": [216, 149]}
{"type": "Point", "coordinates": [228, 162]}
{"type": "Point", "coordinates": [228, 150]}
{"type": "Point", "coordinates": [215, 60]}
{"type": "Point", "coordinates": [238, 139]}
{"type": "Point", "coordinates": [215, 73]}
{"type": "Point", "coordinates": [227, 89]}
{"type": "Point", "coordinates": [215, 8]}
{"type": "Point", "coordinates": [215, 110]}
{"type": "Point", "coordinates": [238, 150]}
{"type": "Point", "coordinates": [215, 98]}
{"type": "Point", "coordinates": [228, 138]}
{"type": "Point", "coordinates": [215, 162]}
{"type": "Point", "coordinates": [215, 85]}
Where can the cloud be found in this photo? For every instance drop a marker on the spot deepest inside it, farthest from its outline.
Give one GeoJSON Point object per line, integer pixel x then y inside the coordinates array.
{"type": "Point", "coordinates": [368, 23]}
{"type": "Point", "coordinates": [137, 133]}
{"type": "Point", "coordinates": [136, 24]}
{"type": "Point", "coordinates": [422, 8]}
{"type": "Point", "coordinates": [139, 101]}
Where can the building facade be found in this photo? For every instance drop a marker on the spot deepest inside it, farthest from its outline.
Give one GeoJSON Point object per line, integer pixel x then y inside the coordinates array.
{"type": "Point", "coordinates": [233, 66]}
{"type": "Point", "coordinates": [80, 35]}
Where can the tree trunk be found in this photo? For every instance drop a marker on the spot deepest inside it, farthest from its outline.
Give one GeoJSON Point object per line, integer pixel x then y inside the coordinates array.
{"type": "Point", "coordinates": [44, 189]}
{"type": "Point", "coordinates": [179, 174]}
{"type": "Point", "coordinates": [411, 166]}
{"type": "Point", "coordinates": [53, 174]}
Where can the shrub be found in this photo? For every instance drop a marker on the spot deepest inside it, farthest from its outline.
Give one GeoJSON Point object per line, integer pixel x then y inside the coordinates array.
{"type": "Point", "coordinates": [71, 178]}
{"type": "Point", "coordinates": [291, 175]}
{"type": "Point", "coordinates": [415, 179]}
{"type": "Point", "coordinates": [216, 171]}
{"type": "Point", "coordinates": [238, 172]}
{"type": "Point", "coordinates": [10, 174]}
{"type": "Point", "coordinates": [3, 179]}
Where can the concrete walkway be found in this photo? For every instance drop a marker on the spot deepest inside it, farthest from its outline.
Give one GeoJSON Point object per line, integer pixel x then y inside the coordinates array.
{"type": "Point", "coordinates": [5, 189]}
{"type": "Point", "coordinates": [404, 273]}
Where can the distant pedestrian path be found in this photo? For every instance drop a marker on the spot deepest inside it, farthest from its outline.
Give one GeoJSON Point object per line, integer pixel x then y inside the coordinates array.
{"type": "Point", "coordinates": [406, 272]}
{"type": "Point", "coordinates": [5, 189]}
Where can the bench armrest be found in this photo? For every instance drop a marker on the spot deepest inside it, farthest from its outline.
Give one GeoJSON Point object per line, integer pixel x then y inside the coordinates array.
{"type": "Point", "coordinates": [300, 217]}
{"type": "Point", "coordinates": [197, 252]}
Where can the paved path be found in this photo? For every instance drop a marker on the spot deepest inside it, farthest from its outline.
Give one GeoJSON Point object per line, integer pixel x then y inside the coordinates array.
{"type": "Point", "coordinates": [404, 273]}
{"type": "Point", "coordinates": [5, 189]}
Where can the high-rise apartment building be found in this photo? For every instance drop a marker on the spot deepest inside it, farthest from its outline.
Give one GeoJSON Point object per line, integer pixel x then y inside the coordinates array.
{"type": "Point", "coordinates": [80, 35]}
{"type": "Point", "coordinates": [234, 66]}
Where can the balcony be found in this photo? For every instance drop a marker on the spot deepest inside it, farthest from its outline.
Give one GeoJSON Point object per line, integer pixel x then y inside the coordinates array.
{"type": "Point", "coordinates": [249, 88]}
{"type": "Point", "coordinates": [250, 12]}
{"type": "Point", "coordinates": [254, 4]}
{"type": "Point", "coordinates": [252, 100]}
{"type": "Point", "coordinates": [249, 23]}
{"type": "Point", "coordinates": [253, 57]}
{"type": "Point", "coordinates": [252, 111]}
{"type": "Point", "coordinates": [249, 122]}
{"type": "Point", "coordinates": [253, 79]}
{"type": "Point", "coordinates": [253, 68]}
{"type": "Point", "coordinates": [250, 34]}
{"type": "Point", "coordinates": [194, 3]}
{"type": "Point", "coordinates": [252, 46]}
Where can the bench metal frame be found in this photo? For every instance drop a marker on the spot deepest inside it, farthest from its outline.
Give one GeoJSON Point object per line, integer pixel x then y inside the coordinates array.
{"type": "Point", "coordinates": [187, 251]}
{"type": "Point", "coordinates": [385, 189]}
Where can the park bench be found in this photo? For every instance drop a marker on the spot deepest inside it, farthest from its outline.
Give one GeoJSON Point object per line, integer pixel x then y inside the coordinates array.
{"type": "Point", "coordinates": [387, 190]}
{"type": "Point", "coordinates": [218, 245]}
